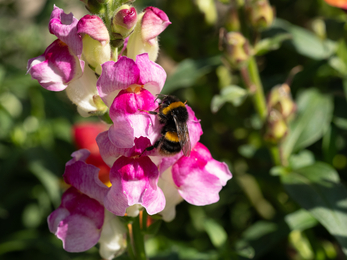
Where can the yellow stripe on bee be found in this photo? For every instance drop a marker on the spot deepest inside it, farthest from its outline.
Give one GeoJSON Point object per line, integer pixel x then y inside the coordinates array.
{"type": "Point", "coordinates": [172, 106]}
{"type": "Point", "coordinates": [171, 136]}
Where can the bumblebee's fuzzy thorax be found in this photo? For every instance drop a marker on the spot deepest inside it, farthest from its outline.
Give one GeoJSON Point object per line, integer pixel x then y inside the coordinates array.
{"type": "Point", "coordinates": [173, 115]}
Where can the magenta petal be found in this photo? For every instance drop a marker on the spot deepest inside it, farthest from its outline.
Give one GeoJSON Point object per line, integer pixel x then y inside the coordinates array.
{"type": "Point", "coordinates": [84, 177]}
{"type": "Point", "coordinates": [110, 153]}
{"type": "Point", "coordinates": [199, 178]}
{"type": "Point", "coordinates": [116, 76]}
{"type": "Point", "coordinates": [77, 221]}
{"type": "Point", "coordinates": [129, 121]}
{"type": "Point", "coordinates": [94, 27]}
{"type": "Point", "coordinates": [134, 181]}
{"type": "Point", "coordinates": [154, 21]}
{"type": "Point", "coordinates": [152, 75]}
{"type": "Point", "coordinates": [64, 26]}
{"type": "Point", "coordinates": [56, 67]}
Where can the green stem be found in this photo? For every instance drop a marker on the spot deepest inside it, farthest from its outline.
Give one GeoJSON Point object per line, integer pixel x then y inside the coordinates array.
{"type": "Point", "coordinates": [276, 155]}
{"type": "Point", "coordinates": [258, 96]}
{"type": "Point", "coordinates": [136, 241]}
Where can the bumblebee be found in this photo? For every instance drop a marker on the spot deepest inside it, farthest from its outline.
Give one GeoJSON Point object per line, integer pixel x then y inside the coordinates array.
{"type": "Point", "coordinates": [173, 115]}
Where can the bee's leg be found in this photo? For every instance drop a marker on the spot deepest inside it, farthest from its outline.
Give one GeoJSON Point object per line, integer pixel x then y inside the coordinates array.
{"type": "Point", "coordinates": [149, 112]}
{"type": "Point", "coordinates": [150, 148]}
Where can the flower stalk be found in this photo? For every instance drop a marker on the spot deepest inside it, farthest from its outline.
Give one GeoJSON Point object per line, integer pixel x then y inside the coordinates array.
{"type": "Point", "coordinates": [136, 241]}
{"type": "Point", "coordinates": [257, 87]}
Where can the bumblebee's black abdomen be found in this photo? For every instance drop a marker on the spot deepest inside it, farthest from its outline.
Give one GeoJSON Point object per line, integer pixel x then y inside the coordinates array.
{"type": "Point", "coordinates": [169, 148]}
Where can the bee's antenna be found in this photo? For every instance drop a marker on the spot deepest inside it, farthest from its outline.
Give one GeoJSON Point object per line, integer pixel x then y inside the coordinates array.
{"type": "Point", "coordinates": [160, 96]}
{"type": "Point", "coordinates": [185, 102]}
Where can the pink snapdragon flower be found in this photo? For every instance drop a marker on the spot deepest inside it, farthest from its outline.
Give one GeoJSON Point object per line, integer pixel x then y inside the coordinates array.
{"type": "Point", "coordinates": [62, 65]}
{"type": "Point", "coordinates": [128, 87]}
{"type": "Point", "coordinates": [197, 179]}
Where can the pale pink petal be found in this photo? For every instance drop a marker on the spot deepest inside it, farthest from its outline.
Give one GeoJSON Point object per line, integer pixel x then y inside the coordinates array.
{"type": "Point", "coordinates": [194, 127]}
{"type": "Point", "coordinates": [110, 153]}
{"type": "Point", "coordinates": [198, 183]}
{"type": "Point", "coordinates": [154, 22]}
{"type": "Point", "coordinates": [134, 181]}
{"type": "Point", "coordinates": [56, 68]}
{"type": "Point", "coordinates": [152, 75]}
{"type": "Point", "coordinates": [116, 76]}
{"type": "Point", "coordinates": [172, 196]}
{"type": "Point", "coordinates": [64, 26]}
{"type": "Point", "coordinates": [94, 27]}
{"type": "Point", "coordinates": [84, 177]}
{"type": "Point", "coordinates": [77, 221]}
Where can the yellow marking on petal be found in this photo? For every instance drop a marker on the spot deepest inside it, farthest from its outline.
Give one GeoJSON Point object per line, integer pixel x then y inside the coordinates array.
{"type": "Point", "coordinates": [108, 184]}
{"type": "Point", "coordinates": [171, 136]}
{"type": "Point", "coordinates": [135, 88]}
{"type": "Point", "coordinates": [172, 106]}
{"type": "Point", "coordinates": [61, 43]}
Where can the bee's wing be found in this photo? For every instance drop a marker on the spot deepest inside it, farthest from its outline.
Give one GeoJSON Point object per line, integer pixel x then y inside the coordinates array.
{"type": "Point", "coordinates": [183, 136]}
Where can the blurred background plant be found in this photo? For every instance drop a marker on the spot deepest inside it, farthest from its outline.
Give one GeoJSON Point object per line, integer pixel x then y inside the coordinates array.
{"type": "Point", "coordinates": [295, 210]}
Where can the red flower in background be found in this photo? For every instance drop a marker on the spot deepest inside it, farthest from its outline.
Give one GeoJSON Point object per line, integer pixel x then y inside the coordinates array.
{"type": "Point", "coordinates": [84, 135]}
{"type": "Point", "coordinates": [337, 3]}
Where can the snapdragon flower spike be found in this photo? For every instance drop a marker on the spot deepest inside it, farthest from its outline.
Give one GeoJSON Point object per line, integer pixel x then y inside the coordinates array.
{"type": "Point", "coordinates": [95, 36]}
{"type": "Point", "coordinates": [77, 221]}
{"type": "Point", "coordinates": [151, 22]}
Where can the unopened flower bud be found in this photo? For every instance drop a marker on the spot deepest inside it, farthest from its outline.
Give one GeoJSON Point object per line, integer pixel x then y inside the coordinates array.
{"type": "Point", "coordinates": [151, 22]}
{"type": "Point", "coordinates": [276, 127]}
{"type": "Point", "coordinates": [236, 48]}
{"type": "Point", "coordinates": [280, 99]}
{"type": "Point", "coordinates": [124, 20]}
{"type": "Point", "coordinates": [95, 37]}
{"type": "Point", "coordinates": [260, 14]}
{"type": "Point", "coordinates": [233, 23]}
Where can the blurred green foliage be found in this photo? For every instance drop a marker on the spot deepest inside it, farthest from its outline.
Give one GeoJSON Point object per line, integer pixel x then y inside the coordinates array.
{"type": "Point", "coordinates": [265, 212]}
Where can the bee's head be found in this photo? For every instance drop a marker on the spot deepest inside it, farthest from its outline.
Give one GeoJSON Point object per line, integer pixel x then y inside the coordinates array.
{"type": "Point", "coordinates": [167, 100]}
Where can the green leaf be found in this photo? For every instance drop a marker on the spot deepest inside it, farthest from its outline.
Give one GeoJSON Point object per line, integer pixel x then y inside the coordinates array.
{"type": "Point", "coordinates": [216, 232]}
{"type": "Point", "coordinates": [48, 180]}
{"type": "Point", "coordinates": [233, 94]}
{"type": "Point", "coordinates": [313, 119]}
{"type": "Point", "coordinates": [307, 43]}
{"type": "Point", "coordinates": [302, 159]}
{"type": "Point", "coordinates": [262, 236]}
{"type": "Point", "coordinates": [270, 44]}
{"type": "Point", "coordinates": [318, 189]}
{"type": "Point", "coordinates": [188, 72]}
